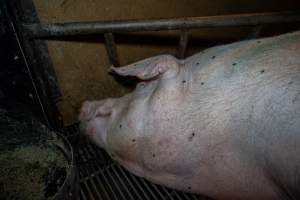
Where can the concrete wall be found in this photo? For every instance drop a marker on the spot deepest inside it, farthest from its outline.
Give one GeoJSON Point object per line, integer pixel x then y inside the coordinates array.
{"type": "Point", "coordinates": [81, 63]}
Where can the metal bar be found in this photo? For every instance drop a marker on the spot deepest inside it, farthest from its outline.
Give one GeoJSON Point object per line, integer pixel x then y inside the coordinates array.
{"type": "Point", "coordinates": [108, 184]}
{"type": "Point", "coordinates": [100, 27]}
{"type": "Point", "coordinates": [82, 194]}
{"type": "Point", "coordinates": [153, 196]}
{"type": "Point", "coordinates": [102, 188]}
{"type": "Point", "coordinates": [157, 190]}
{"type": "Point", "coordinates": [95, 188]}
{"type": "Point", "coordinates": [88, 191]}
{"type": "Point", "coordinates": [174, 193]}
{"type": "Point", "coordinates": [111, 49]}
{"type": "Point", "coordinates": [167, 192]}
{"type": "Point", "coordinates": [113, 181]}
{"type": "Point", "coordinates": [95, 175]}
{"type": "Point", "coordinates": [138, 185]}
{"type": "Point", "coordinates": [122, 182]}
{"type": "Point", "coordinates": [183, 41]}
{"type": "Point", "coordinates": [188, 197]}
{"type": "Point", "coordinates": [128, 181]}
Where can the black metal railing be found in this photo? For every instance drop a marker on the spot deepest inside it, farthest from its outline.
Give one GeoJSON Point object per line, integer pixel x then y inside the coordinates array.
{"type": "Point", "coordinates": [107, 28]}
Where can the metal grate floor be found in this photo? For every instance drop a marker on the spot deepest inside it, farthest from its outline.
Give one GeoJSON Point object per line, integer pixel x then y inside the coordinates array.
{"type": "Point", "coordinates": [102, 178]}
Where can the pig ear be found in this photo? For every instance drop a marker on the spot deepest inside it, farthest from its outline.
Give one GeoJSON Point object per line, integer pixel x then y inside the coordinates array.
{"type": "Point", "coordinates": [149, 68]}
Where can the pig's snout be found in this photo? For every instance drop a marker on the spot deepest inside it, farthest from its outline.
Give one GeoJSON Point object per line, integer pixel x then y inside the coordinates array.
{"type": "Point", "coordinates": [94, 120]}
{"type": "Point", "coordinates": [87, 111]}
{"type": "Point", "coordinates": [92, 109]}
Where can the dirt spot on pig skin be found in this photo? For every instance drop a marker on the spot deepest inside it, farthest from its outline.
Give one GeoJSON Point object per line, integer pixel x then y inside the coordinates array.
{"type": "Point", "coordinates": [213, 57]}
{"type": "Point", "coordinates": [184, 81]}
{"type": "Point", "coordinates": [202, 83]}
{"type": "Point", "coordinates": [191, 137]}
{"type": "Point", "coordinates": [262, 71]}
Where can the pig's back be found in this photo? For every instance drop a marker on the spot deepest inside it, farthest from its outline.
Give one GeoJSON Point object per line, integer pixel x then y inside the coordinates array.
{"type": "Point", "coordinates": [253, 88]}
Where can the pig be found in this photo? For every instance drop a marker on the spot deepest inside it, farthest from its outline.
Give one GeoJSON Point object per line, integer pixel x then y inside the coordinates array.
{"type": "Point", "coordinates": [224, 123]}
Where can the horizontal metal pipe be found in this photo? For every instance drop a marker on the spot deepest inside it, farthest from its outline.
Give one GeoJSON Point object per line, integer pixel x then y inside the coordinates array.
{"type": "Point", "coordinates": [88, 28]}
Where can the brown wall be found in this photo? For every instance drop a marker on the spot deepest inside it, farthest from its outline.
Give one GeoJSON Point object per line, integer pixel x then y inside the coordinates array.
{"type": "Point", "coordinates": [81, 63]}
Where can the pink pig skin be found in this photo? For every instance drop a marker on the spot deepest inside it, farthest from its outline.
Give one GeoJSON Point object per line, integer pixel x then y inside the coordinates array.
{"type": "Point", "coordinates": [224, 123]}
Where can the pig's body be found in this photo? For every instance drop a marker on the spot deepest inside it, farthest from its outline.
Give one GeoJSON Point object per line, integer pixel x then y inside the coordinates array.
{"type": "Point", "coordinates": [224, 123]}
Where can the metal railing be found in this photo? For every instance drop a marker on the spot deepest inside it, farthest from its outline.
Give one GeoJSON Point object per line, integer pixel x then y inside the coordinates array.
{"type": "Point", "coordinates": [109, 27]}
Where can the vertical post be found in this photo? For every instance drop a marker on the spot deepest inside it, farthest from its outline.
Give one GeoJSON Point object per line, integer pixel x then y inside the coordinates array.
{"type": "Point", "coordinates": [183, 41]}
{"type": "Point", "coordinates": [38, 62]}
{"type": "Point", "coordinates": [111, 49]}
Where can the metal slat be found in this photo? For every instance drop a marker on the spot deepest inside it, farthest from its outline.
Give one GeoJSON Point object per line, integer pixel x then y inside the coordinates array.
{"type": "Point", "coordinates": [157, 190]}
{"type": "Point", "coordinates": [95, 175]}
{"type": "Point", "coordinates": [138, 185]}
{"type": "Point", "coordinates": [107, 183]}
{"type": "Point", "coordinates": [102, 188]}
{"type": "Point", "coordinates": [93, 190]}
{"type": "Point", "coordinates": [121, 181]}
{"type": "Point", "coordinates": [169, 195]}
{"type": "Point", "coordinates": [174, 193]}
{"type": "Point", "coordinates": [147, 188]}
{"type": "Point", "coordinates": [94, 187]}
{"type": "Point", "coordinates": [115, 184]}
{"type": "Point", "coordinates": [128, 181]}
{"type": "Point", "coordinates": [82, 195]}
{"type": "Point", "coordinates": [88, 191]}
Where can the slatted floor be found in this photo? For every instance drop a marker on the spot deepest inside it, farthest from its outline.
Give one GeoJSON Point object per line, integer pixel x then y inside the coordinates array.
{"type": "Point", "coordinates": [101, 178]}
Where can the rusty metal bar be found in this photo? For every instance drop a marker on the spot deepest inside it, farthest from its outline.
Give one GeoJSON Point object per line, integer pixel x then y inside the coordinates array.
{"type": "Point", "coordinates": [183, 41]}
{"type": "Point", "coordinates": [100, 27]}
{"type": "Point", "coordinates": [111, 49]}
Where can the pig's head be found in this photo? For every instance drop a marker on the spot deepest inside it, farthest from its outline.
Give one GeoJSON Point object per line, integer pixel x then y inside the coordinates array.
{"type": "Point", "coordinates": [122, 120]}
